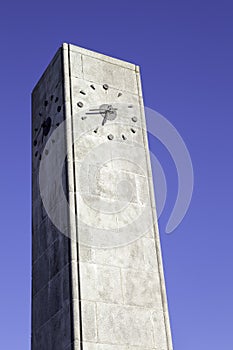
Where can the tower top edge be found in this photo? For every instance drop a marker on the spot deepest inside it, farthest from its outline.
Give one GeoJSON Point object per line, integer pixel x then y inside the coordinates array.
{"type": "Point", "coordinates": [89, 53]}
{"type": "Point", "coordinates": [98, 55]}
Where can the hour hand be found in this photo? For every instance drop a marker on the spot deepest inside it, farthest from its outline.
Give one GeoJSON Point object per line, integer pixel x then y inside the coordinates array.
{"type": "Point", "coordinates": [104, 119]}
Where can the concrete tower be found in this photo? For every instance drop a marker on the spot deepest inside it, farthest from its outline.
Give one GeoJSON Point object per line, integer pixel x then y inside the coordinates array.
{"type": "Point", "coordinates": [97, 275]}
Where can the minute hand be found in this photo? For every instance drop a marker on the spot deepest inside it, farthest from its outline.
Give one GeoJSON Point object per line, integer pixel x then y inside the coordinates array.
{"type": "Point", "coordinates": [93, 112]}
{"type": "Point", "coordinates": [98, 111]}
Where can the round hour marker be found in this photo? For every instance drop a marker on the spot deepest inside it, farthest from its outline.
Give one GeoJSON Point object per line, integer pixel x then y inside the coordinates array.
{"type": "Point", "coordinates": [80, 104]}
{"type": "Point", "coordinates": [134, 119]}
{"type": "Point", "coordinates": [105, 86]}
{"type": "Point", "coordinates": [110, 137]}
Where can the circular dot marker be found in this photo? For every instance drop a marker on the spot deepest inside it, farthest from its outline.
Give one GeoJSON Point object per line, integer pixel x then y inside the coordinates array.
{"type": "Point", "coordinates": [105, 86]}
{"type": "Point", "coordinates": [110, 137]}
{"type": "Point", "coordinates": [80, 104]}
{"type": "Point", "coordinates": [134, 119]}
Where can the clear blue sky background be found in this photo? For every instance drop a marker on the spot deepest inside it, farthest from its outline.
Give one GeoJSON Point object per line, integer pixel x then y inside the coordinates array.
{"type": "Point", "coordinates": [185, 49]}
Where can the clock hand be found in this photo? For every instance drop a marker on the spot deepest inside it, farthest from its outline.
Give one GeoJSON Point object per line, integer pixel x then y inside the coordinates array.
{"type": "Point", "coordinates": [107, 112]}
{"type": "Point", "coordinates": [39, 130]}
{"type": "Point", "coordinates": [105, 118]}
{"type": "Point", "coordinates": [100, 112]}
{"type": "Point", "coordinates": [93, 112]}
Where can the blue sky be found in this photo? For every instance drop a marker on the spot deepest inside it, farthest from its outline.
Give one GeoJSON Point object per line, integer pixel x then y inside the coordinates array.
{"type": "Point", "coordinates": [185, 50]}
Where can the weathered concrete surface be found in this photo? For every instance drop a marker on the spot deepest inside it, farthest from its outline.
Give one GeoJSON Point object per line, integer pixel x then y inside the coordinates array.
{"type": "Point", "coordinates": [106, 292]}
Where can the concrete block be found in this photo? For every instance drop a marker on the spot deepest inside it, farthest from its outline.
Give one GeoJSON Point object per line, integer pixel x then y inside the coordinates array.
{"type": "Point", "coordinates": [106, 73]}
{"type": "Point", "coordinates": [76, 66]}
{"type": "Point", "coordinates": [125, 325]}
{"type": "Point", "coordinates": [160, 339]}
{"type": "Point", "coordinates": [56, 333]}
{"type": "Point", "coordinates": [58, 255]}
{"type": "Point", "coordinates": [43, 236]}
{"type": "Point", "coordinates": [100, 283]}
{"type": "Point", "coordinates": [40, 270]}
{"type": "Point", "coordinates": [89, 321]}
{"type": "Point", "coordinates": [58, 290]}
{"type": "Point", "coordinates": [100, 56]}
{"type": "Point", "coordinates": [128, 256]}
{"type": "Point", "coordinates": [101, 346]}
{"type": "Point", "coordinates": [141, 288]}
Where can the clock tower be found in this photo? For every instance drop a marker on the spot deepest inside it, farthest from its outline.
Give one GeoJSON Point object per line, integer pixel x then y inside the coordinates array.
{"type": "Point", "coordinates": [97, 275]}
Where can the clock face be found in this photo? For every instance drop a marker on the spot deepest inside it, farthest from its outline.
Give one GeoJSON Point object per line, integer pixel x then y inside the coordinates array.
{"type": "Point", "coordinates": [106, 111]}
{"type": "Point", "coordinates": [48, 115]}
